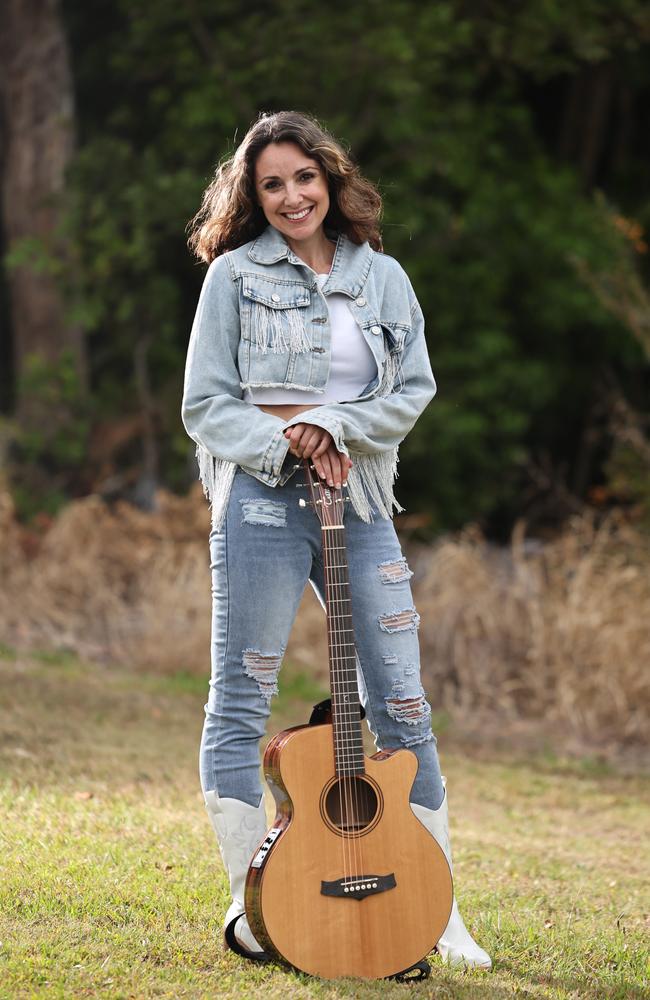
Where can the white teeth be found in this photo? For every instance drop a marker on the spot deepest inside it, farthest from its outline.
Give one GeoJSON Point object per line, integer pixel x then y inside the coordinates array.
{"type": "Point", "coordinates": [298, 215]}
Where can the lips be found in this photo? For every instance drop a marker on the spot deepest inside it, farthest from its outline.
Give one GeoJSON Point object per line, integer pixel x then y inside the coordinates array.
{"type": "Point", "coordinates": [298, 216]}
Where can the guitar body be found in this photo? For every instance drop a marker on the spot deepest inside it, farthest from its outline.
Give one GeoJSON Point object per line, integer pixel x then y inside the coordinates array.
{"type": "Point", "coordinates": [348, 882]}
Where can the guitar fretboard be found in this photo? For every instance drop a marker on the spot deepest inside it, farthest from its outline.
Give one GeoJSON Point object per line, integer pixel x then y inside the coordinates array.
{"type": "Point", "coordinates": [348, 742]}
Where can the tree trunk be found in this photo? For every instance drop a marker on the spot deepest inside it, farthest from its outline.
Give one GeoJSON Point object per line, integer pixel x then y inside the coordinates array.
{"type": "Point", "coordinates": [37, 101]}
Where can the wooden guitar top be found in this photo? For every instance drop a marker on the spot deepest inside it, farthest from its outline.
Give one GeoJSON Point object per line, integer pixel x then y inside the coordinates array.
{"type": "Point", "coordinates": [333, 901]}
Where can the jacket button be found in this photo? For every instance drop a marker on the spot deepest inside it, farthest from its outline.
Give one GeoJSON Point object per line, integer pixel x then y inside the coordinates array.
{"type": "Point", "coordinates": [275, 297]}
{"type": "Point", "coordinates": [375, 329]}
{"type": "Point", "coordinates": [361, 301]}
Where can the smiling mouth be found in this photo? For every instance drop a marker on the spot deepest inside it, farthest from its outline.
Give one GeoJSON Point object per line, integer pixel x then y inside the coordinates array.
{"type": "Point", "coordinates": [298, 216]}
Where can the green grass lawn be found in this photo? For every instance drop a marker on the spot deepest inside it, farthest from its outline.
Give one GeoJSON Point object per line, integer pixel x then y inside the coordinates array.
{"type": "Point", "coordinates": [111, 884]}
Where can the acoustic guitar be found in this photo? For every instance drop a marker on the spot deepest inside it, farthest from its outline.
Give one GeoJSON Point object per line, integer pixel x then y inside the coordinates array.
{"type": "Point", "coordinates": [347, 882]}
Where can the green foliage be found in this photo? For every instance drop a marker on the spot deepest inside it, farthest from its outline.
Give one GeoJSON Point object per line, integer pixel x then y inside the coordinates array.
{"type": "Point", "coordinates": [628, 475]}
{"type": "Point", "coordinates": [436, 101]}
{"type": "Point", "coordinates": [48, 448]}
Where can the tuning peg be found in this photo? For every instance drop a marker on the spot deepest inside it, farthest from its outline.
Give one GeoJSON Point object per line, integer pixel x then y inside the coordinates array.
{"type": "Point", "coordinates": [305, 503]}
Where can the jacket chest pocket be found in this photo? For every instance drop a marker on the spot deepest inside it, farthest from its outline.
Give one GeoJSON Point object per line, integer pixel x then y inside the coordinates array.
{"type": "Point", "coordinates": [274, 319]}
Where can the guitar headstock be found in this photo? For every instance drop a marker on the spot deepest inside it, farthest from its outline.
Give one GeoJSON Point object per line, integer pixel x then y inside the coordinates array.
{"type": "Point", "coordinates": [327, 501]}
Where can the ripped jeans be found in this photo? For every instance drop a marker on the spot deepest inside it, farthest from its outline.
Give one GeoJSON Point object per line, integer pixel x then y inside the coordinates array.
{"type": "Point", "coordinates": [261, 560]}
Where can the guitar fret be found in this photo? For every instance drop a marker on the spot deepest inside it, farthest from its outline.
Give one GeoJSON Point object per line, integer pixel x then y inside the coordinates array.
{"type": "Point", "coordinates": [348, 741]}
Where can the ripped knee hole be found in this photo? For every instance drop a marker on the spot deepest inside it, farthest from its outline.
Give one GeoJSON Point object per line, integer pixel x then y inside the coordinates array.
{"type": "Point", "coordinates": [395, 571]}
{"type": "Point", "coordinates": [400, 621]}
{"type": "Point", "coordinates": [263, 668]}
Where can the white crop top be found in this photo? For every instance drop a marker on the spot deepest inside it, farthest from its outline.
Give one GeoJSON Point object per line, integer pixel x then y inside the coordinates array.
{"type": "Point", "coordinates": [352, 363]}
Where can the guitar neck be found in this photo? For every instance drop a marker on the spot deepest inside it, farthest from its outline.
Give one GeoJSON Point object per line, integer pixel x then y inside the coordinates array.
{"type": "Point", "coordinates": [346, 715]}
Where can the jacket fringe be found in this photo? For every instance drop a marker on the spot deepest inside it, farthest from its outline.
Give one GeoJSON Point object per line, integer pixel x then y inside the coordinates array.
{"type": "Point", "coordinates": [216, 476]}
{"type": "Point", "coordinates": [279, 330]}
{"type": "Point", "coordinates": [392, 379]}
{"type": "Point", "coordinates": [370, 483]}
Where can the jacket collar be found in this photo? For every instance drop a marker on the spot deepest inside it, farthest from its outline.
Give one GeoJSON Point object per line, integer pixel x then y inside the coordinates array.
{"type": "Point", "coordinates": [350, 266]}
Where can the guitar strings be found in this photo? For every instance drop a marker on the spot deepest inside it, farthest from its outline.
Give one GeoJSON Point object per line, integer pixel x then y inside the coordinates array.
{"type": "Point", "coordinates": [352, 784]}
{"type": "Point", "coordinates": [354, 722]}
{"type": "Point", "coordinates": [347, 748]}
{"type": "Point", "coordinates": [332, 604]}
{"type": "Point", "coordinates": [341, 751]}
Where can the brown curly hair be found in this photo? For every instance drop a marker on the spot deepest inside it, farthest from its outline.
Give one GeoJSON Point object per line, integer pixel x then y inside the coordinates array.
{"type": "Point", "coordinates": [230, 215]}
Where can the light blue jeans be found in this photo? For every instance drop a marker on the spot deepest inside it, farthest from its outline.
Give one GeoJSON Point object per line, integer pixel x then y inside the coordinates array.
{"type": "Point", "coordinates": [261, 560]}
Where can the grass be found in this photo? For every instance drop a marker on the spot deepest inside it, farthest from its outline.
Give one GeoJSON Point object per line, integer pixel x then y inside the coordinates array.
{"type": "Point", "coordinates": [111, 884]}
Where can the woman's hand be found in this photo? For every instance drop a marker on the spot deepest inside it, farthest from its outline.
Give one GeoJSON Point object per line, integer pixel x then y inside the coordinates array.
{"type": "Point", "coordinates": [309, 441]}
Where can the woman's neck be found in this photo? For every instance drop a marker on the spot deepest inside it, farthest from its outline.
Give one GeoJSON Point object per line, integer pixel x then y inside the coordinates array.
{"type": "Point", "coordinates": [317, 252]}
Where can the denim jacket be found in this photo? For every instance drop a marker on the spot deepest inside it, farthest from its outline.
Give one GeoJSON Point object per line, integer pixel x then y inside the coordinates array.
{"type": "Point", "coordinates": [262, 320]}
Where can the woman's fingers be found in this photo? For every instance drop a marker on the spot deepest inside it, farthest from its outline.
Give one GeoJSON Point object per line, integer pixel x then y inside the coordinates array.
{"type": "Point", "coordinates": [309, 441]}
{"type": "Point", "coordinates": [315, 443]}
{"type": "Point", "coordinates": [298, 436]}
{"type": "Point", "coordinates": [324, 443]}
{"type": "Point", "coordinates": [332, 466]}
{"type": "Point", "coordinates": [324, 468]}
{"type": "Point", "coordinates": [306, 439]}
{"type": "Point", "coordinates": [294, 435]}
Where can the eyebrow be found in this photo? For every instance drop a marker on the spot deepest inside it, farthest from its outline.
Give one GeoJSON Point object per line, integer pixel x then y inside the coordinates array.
{"type": "Point", "coordinates": [300, 170]}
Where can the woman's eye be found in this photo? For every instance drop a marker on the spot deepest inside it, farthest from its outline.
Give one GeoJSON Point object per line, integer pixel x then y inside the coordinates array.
{"type": "Point", "coordinates": [307, 177]}
{"type": "Point", "coordinates": [270, 185]}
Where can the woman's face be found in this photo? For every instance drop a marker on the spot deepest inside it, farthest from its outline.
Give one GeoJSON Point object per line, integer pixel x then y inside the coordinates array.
{"type": "Point", "coordinates": [292, 190]}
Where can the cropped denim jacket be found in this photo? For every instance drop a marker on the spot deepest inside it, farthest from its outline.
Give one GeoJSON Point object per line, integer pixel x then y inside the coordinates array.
{"type": "Point", "coordinates": [262, 320]}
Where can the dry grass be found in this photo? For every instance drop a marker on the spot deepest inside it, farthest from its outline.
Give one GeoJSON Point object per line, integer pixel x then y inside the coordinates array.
{"type": "Point", "coordinates": [555, 634]}
{"type": "Point", "coordinates": [558, 633]}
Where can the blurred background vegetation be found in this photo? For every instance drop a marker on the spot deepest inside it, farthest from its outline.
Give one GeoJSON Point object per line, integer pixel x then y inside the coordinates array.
{"type": "Point", "coordinates": [511, 145]}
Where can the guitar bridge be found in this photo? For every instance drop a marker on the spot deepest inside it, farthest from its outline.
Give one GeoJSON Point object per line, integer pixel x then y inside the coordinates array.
{"type": "Point", "coordinates": [358, 887]}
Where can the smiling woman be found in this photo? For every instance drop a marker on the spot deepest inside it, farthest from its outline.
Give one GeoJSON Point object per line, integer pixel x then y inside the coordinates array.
{"type": "Point", "coordinates": [308, 343]}
{"type": "Point", "coordinates": [293, 195]}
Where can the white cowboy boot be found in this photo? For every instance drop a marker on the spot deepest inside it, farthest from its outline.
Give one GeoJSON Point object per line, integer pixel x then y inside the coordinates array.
{"type": "Point", "coordinates": [240, 828]}
{"type": "Point", "coordinates": [456, 946]}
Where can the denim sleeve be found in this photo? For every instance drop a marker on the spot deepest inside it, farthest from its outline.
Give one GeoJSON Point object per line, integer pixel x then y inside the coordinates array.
{"type": "Point", "coordinates": [213, 411]}
{"type": "Point", "coordinates": [379, 424]}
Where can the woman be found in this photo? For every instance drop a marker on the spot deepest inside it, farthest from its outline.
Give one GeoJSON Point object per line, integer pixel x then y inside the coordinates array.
{"type": "Point", "coordinates": [308, 342]}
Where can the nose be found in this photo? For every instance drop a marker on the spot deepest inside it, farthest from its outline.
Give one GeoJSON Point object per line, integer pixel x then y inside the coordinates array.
{"type": "Point", "coordinates": [292, 196]}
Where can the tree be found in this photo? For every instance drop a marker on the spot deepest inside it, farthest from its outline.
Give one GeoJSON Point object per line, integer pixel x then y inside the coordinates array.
{"type": "Point", "coordinates": [37, 99]}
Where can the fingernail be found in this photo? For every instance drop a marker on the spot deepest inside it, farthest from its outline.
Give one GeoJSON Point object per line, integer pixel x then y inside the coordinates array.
{"type": "Point", "coordinates": [338, 486]}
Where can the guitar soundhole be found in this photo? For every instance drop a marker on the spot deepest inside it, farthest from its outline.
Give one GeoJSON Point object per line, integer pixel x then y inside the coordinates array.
{"type": "Point", "coordinates": [351, 805]}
